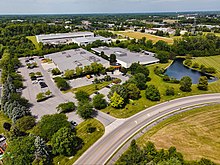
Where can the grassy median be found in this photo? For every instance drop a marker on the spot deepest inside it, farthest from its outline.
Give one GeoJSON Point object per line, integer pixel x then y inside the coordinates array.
{"type": "Point", "coordinates": [195, 133]}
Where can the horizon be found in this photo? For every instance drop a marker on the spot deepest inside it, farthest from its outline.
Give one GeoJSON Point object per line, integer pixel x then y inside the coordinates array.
{"type": "Point", "coordinates": [30, 7]}
{"type": "Point", "coordinates": [112, 13]}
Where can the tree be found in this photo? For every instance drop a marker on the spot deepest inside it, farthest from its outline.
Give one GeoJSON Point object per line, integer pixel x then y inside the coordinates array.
{"type": "Point", "coordinates": [64, 142]}
{"type": "Point", "coordinates": [117, 101]}
{"type": "Point", "coordinates": [69, 74]}
{"type": "Point", "coordinates": [185, 84]}
{"type": "Point", "coordinates": [50, 124]}
{"type": "Point", "coordinates": [188, 62]}
{"type": "Point", "coordinates": [152, 93]}
{"type": "Point", "coordinates": [42, 152]}
{"type": "Point", "coordinates": [7, 126]}
{"type": "Point", "coordinates": [99, 102]}
{"type": "Point", "coordinates": [56, 71]}
{"type": "Point", "coordinates": [61, 83]}
{"type": "Point", "coordinates": [133, 91]}
{"type": "Point", "coordinates": [40, 96]}
{"type": "Point", "coordinates": [119, 89]}
{"type": "Point", "coordinates": [20, 151]}
{"type": "Point", "coordinates": [203, 83]}
{"type": "Point", "coordinates": [79, 71]}
{"type": "Point", "coordinates": [163, 56]}
{"type": "Point", "coordinates": [66, 107]}
{"type": "Point", "coordinates": [142, 69]}
{"type": "Point", "coordinates": [85, 109]}
{"type": "Point", "coordinates": [162, 46]}
{"type": "Point", "coordinates": [25, 123]}
{"type": "Point", "coordinates": [113, 58]}
{"type": "Point", "coordinates": [170, 91]}
{"type": "Point", "coordinates": [82, 96]}
{"type": "Point", "coordinates": [139, 80]}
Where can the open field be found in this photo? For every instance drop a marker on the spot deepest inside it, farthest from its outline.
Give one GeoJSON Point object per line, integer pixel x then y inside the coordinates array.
{"type": "Point", "coordinates": [90, 89]}
{"type": "Point", "coordinates": [195, 133]}
{"type": "Point", "coordinates": [217, 34]}
{"type": "Point", "coordinates": [3, 119]}
{"type": "Point", "coordinates": [34, 40]}
{"type": "Point", "coordinates": [212, 61]}
{"type": "Point", "coordinates": [143, 103]}
{"type": "Point", "coordinates": [88, 139]}
{"type": "Point", "coordinates": [139, 35]}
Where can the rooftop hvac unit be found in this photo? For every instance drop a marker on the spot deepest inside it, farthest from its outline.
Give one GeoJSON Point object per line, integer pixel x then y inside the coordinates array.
{"type": "Point", "coordinates": [78, 63]}
{"type": "Point", "coordinates": [82, 52]}
{"type": "Point", "coordinates": [68, 56]}
{"type": "Point", "coordinates": [93, 59]}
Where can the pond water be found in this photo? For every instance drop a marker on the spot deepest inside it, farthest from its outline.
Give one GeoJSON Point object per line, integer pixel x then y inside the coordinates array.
{"type": "Point", "coordinates": [178, 70]}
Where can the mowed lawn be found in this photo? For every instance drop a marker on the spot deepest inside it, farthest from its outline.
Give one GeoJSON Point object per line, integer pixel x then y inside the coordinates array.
{"type": "Point", "coordinates": [139, 35]}
{"type": "Point", "coordinates": [195, 133]}
{"type": "Point", "coordinates": [212, 61]}
{"type": "Point", "coordinates": [88, 139]}
{"type": "Point", "coordinates": [143, 103]}
{"type": "Point", "coordinates": [90, 89]}
{"type": "Point", "coordinates": [34, 41]}
{"type": "Point", "coordinates": [3, 119]}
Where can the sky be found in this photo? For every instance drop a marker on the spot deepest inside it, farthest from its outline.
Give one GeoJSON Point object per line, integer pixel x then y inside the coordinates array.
{"type": "Point", "coordinates": [104, 6]}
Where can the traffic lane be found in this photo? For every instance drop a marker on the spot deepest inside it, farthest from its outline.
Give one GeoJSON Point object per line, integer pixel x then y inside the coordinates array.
{"type": "Point", "coordinates": [104, 118]}
{"type": "Point", "coordinates": [108, 144]}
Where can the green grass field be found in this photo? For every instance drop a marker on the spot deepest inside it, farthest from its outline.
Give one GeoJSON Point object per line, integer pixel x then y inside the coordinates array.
{"type": "Point", "coordinates": [139, 35]}
{"type": "Point", "coordinates": [212, 61]}
{"type": "Point", "coordinates": [88, 139]}
{"type": "Point", "coordinates": [34, 40]}
{"type": "Point", "coordinates": [143, 103]}
{"type": "Point", "coordinates": [3, 119]}
{"type": "Point", "coordinates": [195, 133]}
{"type": "Point", "coordinates": [90, 89]}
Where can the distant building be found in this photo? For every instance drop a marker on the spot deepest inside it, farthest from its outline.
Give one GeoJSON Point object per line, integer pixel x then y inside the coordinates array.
{"type": "Point", "coordinates": [88, 40]}
{"type": "Point", "coordinates": [62, 38]}
{"type": "Point", "coordinates": [126, 57]}
{"type": "Point", "coordinates": [3, 145]}
{"type": "Point", "coordinates": [71, 59]}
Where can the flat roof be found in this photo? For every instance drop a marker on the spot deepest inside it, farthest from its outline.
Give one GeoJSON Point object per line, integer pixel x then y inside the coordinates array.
{"type": "Point", "coordinates": [90, 39]}
{"type": "Point", "coordinates": [128, 56]}
{"type": "Point", "coordinates": [62, 35]}
{"type": "Point", "coordinates": [70, 59]}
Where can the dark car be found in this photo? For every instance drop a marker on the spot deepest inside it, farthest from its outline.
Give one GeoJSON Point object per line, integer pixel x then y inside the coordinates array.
{"type": "Point", "coordinates": [43, 84]}
{"type": "Point", "coordinates": [33, 78]}
{"type": "Point", "coordinates": [73, 123]}
{"type": "Point", "coordinates": [97, 93]}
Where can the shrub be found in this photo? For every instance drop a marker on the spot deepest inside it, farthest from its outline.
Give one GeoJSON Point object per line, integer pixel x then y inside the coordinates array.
{"type": "Point", "coordinates": [66, 107]}
{"type": "Point", "coordinates": [82, 95]}
{"type": "Point", "coordinates": [56, 71]}
{"type": "Point", "coordinates": [152, 93]}
{"type": "Point", "coordinates": [99, 102]}
{"type": "Point", "coordinates": [61, 83]}
{"type": "Point", "coordinates": [170, 91]}
{"type": "Point", "coordinates": [25, 123]}
{"type": "Point", "coordinates": [188, 62]}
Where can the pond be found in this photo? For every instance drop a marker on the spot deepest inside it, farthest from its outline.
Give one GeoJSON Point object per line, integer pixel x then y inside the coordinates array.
{"type": "Point", "coordinates": [178, 70]}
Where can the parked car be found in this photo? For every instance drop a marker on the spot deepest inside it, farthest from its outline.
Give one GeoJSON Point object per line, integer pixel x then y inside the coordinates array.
{"type": "Point", "coordinates": [43, 84]}
{"type": "Point", "coordinates": [73, 123]}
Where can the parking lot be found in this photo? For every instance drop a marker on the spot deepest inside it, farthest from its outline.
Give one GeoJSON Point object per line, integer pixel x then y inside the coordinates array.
{"type": "Point", "coordinates": [32, 88]}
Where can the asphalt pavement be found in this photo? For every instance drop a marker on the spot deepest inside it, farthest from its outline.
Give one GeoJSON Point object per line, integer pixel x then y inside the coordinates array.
{"type": "Point", "coordinates": [107, 145]}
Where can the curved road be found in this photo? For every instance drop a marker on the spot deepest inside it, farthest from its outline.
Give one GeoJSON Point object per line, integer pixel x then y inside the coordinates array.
{"type": "Point", "coordinates": [106, 146]}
